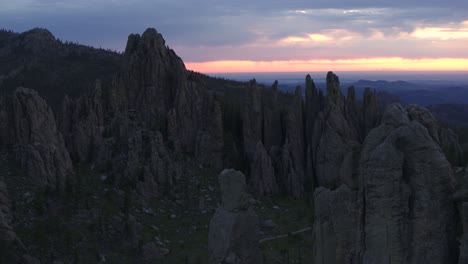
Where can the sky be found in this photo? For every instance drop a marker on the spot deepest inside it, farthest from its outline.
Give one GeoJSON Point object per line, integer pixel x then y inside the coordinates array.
{"type": "Point", "coordinates": [267, 35]}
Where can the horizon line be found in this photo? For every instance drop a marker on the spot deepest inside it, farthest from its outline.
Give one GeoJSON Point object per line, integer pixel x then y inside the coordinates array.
{"type": "Point", "coordinates": [381, 64]}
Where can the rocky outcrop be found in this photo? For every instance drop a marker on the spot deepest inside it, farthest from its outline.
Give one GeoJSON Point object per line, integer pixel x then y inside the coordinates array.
{"type": "Point", "coordinates": [262, 173]}
{"type": "Point", "coordinates": [272, 132]}
{"type": "Point", "coordinates": [445, 137]}
{"type": "Point", "coordinates": [402, 210]}
{"type": "Point", "coordinates": [334, 231]}
{"type": "Point", "coordinates": [149, 164]}
{"type": "Point", "coordinates": [405, 192]}
{"type": "Point", "coordinates": [158, 91]}
{"type": "Point", "coordinates": [293, 154]}
{"type": "Point", "coordinates": [464, 239]}
{"type": "Point", "coordinates": [335, 141]}
{"type": "Point", "coordinates": [234, 228]}
{"type": "Point", "coordinates": [39, 146]}
{"type": "Point", "coordinates": [7, 234]}
{"type": "Point", "coordinates": [252, 117]}
{"type": "Point", "coordinates": [370, 112]}
{"type": "Point", "coordinates": [81, 121]}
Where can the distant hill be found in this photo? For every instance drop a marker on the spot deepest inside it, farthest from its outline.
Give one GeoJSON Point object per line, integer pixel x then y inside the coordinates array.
{"type": "Point", "coordinates": [35, 58]}
{"type": "Point", "coordinates": [416, 93]}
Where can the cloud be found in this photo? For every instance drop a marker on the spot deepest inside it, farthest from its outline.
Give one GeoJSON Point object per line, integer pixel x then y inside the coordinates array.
{"type": "Point", "coordinates": [266, 30]}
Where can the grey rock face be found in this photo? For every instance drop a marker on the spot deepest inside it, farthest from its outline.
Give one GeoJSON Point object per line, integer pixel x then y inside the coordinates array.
{"type": "Point", "coordinates": [370, 112]}
{"type": "Point", "coordinates": [39, 146]}
{"type": "Point", "coordinates": [335, 234]}
{"type": "Point", "coordinates": [272, 134]}
{"type": "Point", "coordinates": [445, 137]}
{"type": "Point", "coordinates": [334, 139]}
{"type": "Point", "coordinates": [293, 153]}
{"type": "Point", "coordinates": [7, 234]}
{"type": "Point", "coordinates": [464, 239]}
{"type": "Point", "coordinates": [149, 164]}
{"type": "Point", "coordinates": [155, 86]}
{"type": "Point", "coordinates": [405, 192]}
{"type": "Point", "coordinates": [262, 173]}
{"type": "Point", "coordinates": [252, 120]}
{"type": "Point", "coordinates": [81, 121]}
{"type": "Point", "coordinates": [234, 228]}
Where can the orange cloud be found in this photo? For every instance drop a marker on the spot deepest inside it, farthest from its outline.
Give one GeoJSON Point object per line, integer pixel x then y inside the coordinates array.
{"type": "Point", "coordinates": [371, 64]}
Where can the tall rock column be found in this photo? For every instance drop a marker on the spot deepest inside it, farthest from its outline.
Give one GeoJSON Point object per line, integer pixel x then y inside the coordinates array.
{"type": "Point", "coordinates": [252, 120]}
{"type": "Point", "coordinates": [405, 191]}
{"type": "Point", "coordinates": [234, 229]}
{"type": "Point", "coordinates": [335, 141]}
{"type": "Point", "coordinates": [39, 146]}
{"type": "Point", "coordinates": [293, 153]}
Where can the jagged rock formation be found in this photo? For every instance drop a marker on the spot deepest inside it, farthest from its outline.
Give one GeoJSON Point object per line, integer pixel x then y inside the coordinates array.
{"type": "Point", "coordinates": [252, 120]}
{"type": "Point", "coordinates": [335, 140]}
{"type": "Point", "coordinates": [155, 85]}
{"type": "Point", "coordinates": [262, 173]}
{"type": "Point", "coordinates": [406, 185]}
{"type": "Point", "coordinates": [39, 147]}
{"type": "Point", "coordinates": [81, 122]}
{"type": "Point", "coordinates": [445, 137]}
{"type": "Point", "coordinates": [234, 228]}
{"type": "Point", "coordinates": [153, 107]}
{"type": "Point", "coordinates": [464, 239]}
{"type": "Point", "coordinates": [334, 232]}
{"type": "Point", "coordinates": [272, 132]}
{"type": "Point", "coordinates": [150, 163]}
{"type": "Point", "coordinates": [293, 153]}
{"type": "Point", "coordinates": [383, 193]}
{"type": "Point", "coordinates": [405, 214]}
{"type": "Point", "coordinates": [7, 234]}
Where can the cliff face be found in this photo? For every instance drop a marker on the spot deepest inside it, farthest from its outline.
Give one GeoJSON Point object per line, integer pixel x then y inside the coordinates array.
{"type": "Point", "coordinates": [407, 184]}
{"type": "Point", "coordinates": [405, 210]}
{"type": "Point", "coordinates": [154, 103]}
{"type": "Point", "coordinates": [29, 128]}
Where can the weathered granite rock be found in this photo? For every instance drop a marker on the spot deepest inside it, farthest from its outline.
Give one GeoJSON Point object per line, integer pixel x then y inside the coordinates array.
{"type": "Point", "coordinates": [262, 173]}
{"type": "Point", "coordinates": [7, 234]}
{"type": "Point", "coordinates": [210, 140]}
{"type": "Point", "coordinates": [252, 120]}
{"type": "Point", "coordinates": [149, 164]}
{"type": "Point", "coordinates": [272, 132]}
{"type": "Point", "coordinates": [234, 228]}
{"type": "Point", "coordinates": [39, 146]}
{"type": "Point", "coordinates": [370, 111]}
{"type": "Point", "coordinates": [405, 192]}
{"type": "Point", "coordinates": [81, 121]}
{"type": "Point", "coordinates": [464, 239]}
{"type": "Point", "coordinates": [159, 92]}
{"type": "Point", "coordinates": [293, 166]}
{"type": "Point", "coordinates": [334, 139]}
{"type": "Point", "coordinates": [445, 137]}
{"type": "Point", "coordinates": [335, 228]}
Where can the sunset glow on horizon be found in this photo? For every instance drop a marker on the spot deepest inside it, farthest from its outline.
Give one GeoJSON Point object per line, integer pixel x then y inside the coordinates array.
{"type": "Point", "coordinates": [371, 64]}
{"type": "Point", "coordinates": [268, 36]}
